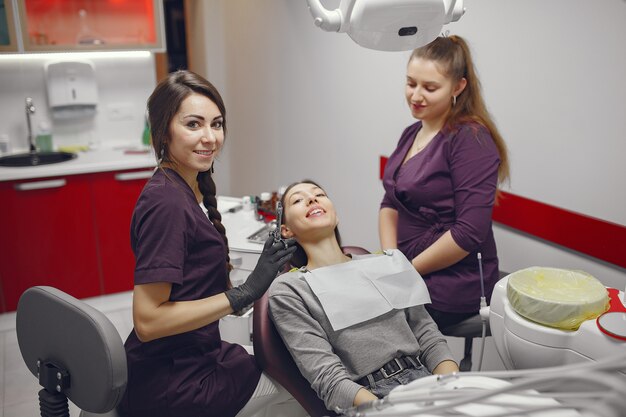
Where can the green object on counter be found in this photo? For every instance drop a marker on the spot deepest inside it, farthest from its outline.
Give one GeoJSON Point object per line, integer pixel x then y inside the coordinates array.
{"type": "Point", "coordinates": [146, 136]}
{"type": "Point", "coordinates": [43, 140]}
{"type": "Point", "coordinates": [44, 143]}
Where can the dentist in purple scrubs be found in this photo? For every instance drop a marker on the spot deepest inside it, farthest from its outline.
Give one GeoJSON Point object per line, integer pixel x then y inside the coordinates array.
{"type": "Point", "coordinates": [177, 363]}
{"type": "Point", "coordinates": [441, 181]}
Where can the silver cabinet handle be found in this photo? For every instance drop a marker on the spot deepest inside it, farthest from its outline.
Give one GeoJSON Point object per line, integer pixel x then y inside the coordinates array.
{"type": "Point", "coordinates": [129, 176]}
{"type": "Point", "coordinates": [236, 260]}
{"type": "Point", "coordinates": [40, 185]}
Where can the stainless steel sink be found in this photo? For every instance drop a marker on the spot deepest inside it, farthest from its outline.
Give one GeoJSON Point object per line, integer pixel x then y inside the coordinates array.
{"type": "Point", "coordinates": [35, 158]}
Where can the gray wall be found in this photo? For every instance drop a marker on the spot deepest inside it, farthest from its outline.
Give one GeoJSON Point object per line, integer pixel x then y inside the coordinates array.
{"type": "Point", "coordinates": [307, 103]}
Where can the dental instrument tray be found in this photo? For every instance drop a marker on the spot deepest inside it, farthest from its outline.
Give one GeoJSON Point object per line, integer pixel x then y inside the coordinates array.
{"type": "Point", "coordinates": [261, 235]}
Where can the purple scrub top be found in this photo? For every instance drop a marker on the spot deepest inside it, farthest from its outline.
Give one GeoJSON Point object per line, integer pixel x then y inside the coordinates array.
{"type": "Point", "coordinates": [450, 185]}
{"type": "Point", "coordinates": [193, 373]}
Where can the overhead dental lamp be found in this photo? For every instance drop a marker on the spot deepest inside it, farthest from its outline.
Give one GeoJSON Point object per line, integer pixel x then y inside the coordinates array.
{"type": "Point", "coordinates": [388, 25]}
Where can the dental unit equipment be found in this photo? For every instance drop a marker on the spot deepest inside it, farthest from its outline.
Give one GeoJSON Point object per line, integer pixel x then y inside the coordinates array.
{"type": "Point", "coordinates": [483, 312]}
{"type": "Point", "coordinates": [555, 320]}
{"type": "Point", "coordinates": [563, 356]}
{"type": "Point", "coordinates": [586, 389]}
{"type": "Point", "coordinates": [388, 25]}
{"type": "Point", "coordinates": [613, 322]}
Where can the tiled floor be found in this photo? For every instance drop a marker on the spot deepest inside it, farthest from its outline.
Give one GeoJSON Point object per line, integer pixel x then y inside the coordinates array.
{"type": "Point", "coordinates": [18, 387]}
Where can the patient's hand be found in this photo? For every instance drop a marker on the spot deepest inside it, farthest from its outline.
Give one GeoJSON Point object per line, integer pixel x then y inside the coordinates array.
{"type": "Point", "coordinates": [446, 367]}
{"type": "Point", "coordinates": [363, 396]}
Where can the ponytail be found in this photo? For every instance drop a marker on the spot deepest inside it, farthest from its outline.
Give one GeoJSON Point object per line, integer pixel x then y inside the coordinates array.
{"type": "Point", "coordinates": [455, 60]}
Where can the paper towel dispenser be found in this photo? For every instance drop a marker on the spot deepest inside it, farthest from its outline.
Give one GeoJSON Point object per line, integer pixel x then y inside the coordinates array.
{"type": "Point", "coordinates": [72, 89]}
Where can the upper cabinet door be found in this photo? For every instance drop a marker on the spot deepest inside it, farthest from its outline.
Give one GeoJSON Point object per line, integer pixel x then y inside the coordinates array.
{"type": "Point", "coordinates": [91, 25]}
{"type": "Point", "coordinates": [8, 38]}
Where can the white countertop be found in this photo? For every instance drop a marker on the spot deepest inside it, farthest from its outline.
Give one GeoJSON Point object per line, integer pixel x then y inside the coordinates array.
{"type": "Point", "coordinates": [101, 160]}
{"type": "Point", "coordinates": [239, 225]}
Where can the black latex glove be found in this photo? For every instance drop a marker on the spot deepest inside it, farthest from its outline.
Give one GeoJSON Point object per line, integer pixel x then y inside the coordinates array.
{"type": "Point", "coordinates": [272, 260]}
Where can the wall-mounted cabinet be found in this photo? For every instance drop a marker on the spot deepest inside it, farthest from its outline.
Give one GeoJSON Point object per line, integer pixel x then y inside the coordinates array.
{"type": "Point", "coordinates": [8, 35]}
{"type": "Point", "coordinates": [86, 25]}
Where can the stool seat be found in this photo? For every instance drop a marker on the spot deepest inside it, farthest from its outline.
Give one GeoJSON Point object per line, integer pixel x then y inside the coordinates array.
{"type": "Point", "coordinates": [468, 329]}
{"type": "Point", "coordinates": [472, 327]}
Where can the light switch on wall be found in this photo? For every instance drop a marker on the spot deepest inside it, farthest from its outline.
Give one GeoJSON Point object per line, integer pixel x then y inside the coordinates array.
{"type": "Point", "coordinates": [120, 111]}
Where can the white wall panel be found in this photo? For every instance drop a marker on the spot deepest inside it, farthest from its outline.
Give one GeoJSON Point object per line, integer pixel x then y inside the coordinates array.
{"type": "Point", "coordinates": [307, 103]}
{"type": "Point", "coordinates": [124, 85]}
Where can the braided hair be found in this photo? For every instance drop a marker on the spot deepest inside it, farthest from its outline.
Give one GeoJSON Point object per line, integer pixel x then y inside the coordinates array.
{"type": "Point", "coordinates": [206, 184]}
{"type": "Point", "coordinates": [163, 104]}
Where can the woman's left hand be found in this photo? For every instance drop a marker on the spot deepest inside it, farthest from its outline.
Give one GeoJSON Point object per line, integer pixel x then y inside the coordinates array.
{"type": "Point", "coordinates": [363, 396]}
{"type": "Point", "coordinates": [272, 259]}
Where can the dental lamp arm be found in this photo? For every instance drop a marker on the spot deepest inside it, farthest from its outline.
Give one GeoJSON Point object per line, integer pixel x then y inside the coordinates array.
{"type": "Point", "coordinates": [454, 10]}
{"type": "Point", "coordinates": [329, 20]}
{"type": "Point", "coordinates": [339, 19]}
{"type": "Point", "coordinates": [388, 25]}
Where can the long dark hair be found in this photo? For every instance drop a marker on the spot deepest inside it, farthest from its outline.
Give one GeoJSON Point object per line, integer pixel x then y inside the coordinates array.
{"type": "Point", "coordinates": [299, 258]}
{"type": "Point", "coordinates": [163, 104]}
{"type": "Point", "coordinates": [453, 55]}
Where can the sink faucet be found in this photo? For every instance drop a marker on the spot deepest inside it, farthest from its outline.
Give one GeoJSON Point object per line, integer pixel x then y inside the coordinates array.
{"type": "Point", "coordinates": [30, 109]}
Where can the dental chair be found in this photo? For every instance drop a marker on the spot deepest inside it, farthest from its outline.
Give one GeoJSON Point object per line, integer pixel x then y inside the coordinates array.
{"type": "Point", "coordinates": [468, 329]}
{"type": "Point", "coordinates": [276, 361]}
{"type": "Point", "coordinates": [74, 350]}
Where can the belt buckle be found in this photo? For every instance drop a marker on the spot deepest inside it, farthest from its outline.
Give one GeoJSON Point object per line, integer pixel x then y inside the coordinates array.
{"type": "Point", "coordinates": [400, 369]}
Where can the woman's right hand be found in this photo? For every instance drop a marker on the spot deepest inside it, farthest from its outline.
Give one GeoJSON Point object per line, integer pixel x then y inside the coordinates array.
{"type": "Point", "coordinates": [274, 256]}
{"type": "Point", "coordinates": [363, 396]}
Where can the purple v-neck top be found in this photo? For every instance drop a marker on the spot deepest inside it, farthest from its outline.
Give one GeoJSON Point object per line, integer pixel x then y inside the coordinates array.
{"type": "Point", "coordinates": [449, 185]}
{"type": "Point", "coordinates": [192, 373]}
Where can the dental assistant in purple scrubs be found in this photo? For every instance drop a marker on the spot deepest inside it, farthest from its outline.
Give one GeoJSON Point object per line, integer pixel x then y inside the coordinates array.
{"type": "Point", "coordinates": [177, 363]}
{"type": "Point", "coordinates": [441, 181]}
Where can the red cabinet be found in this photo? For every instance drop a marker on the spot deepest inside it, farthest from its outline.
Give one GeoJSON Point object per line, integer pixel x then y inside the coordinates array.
{"type": "Point", "coordinates": [114, 198]}
{"type": "Point", "coordinates": [61, 25]}
{"type": "Point", "coordinates": [48, 237]}
{"type": "Point", "coordinates": [70, 232]}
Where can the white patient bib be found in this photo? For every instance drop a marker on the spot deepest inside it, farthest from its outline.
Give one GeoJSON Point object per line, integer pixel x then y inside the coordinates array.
{"type": "Point", "coordinates": [367, 287]}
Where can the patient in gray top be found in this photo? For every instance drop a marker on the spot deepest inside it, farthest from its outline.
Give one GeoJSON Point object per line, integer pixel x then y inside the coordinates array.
{"type": "Point", "coordinates": [362, 362]}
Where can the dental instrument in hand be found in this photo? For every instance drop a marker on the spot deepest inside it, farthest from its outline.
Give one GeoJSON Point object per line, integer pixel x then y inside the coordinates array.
{"type": "Point", "coordinates": [279, 220]}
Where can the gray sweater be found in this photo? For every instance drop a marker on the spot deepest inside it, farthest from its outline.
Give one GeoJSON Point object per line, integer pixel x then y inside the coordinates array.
{"type": "Point", "coordinates": [332, 360]}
